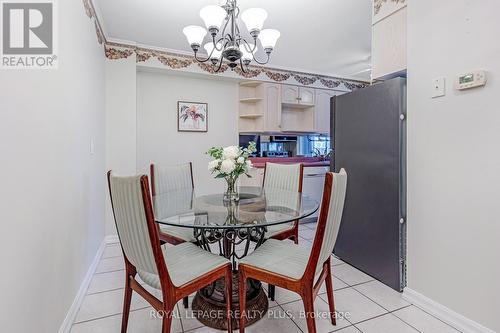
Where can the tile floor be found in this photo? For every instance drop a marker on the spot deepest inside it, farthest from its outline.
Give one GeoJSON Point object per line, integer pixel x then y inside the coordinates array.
{"type": "Point", "coordinates": [368, 305]}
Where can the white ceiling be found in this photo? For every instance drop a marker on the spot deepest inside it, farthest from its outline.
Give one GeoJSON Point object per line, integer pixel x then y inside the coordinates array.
{"type": "Point", "coordinates": [329, 37]}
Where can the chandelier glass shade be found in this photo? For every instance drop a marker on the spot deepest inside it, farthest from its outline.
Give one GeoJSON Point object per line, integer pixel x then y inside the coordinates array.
{"type": "Point", "coordinates": [226, 42]}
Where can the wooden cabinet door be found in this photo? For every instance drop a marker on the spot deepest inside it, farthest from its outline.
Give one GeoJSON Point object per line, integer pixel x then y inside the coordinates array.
{"type": "Point", "coordinates": [272, 107]}
{"type": "Point", "coordinates": [306, 95]}
{"type": "Point", "coordinates": [289, 94]}
{"type": "Point", "coordinates": [322, 111]}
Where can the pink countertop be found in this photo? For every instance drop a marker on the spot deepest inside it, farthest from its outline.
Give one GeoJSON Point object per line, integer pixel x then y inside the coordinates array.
{"type": "Point", "coordinates": [259, 162]}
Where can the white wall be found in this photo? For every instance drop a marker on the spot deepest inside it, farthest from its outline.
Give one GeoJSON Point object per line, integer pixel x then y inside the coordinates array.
{"type": "Point", "coordinates": [159, 141]}
{"type": "Point", "coordinates": [454, 160]}
{"type": "Point", "coordinates": [120, 124]}
{"type": "Point", "coordinates": [51, 197]}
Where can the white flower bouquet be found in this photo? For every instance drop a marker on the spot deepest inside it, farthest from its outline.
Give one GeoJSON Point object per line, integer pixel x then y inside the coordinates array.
{"type": "Point", "coordinates": [230, 163]}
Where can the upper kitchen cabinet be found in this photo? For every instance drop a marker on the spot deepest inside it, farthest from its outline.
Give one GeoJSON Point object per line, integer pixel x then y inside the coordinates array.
{"type": "Point", "coordinates": [294, 96]}
{"type": "Point", "coordinates": [322, 111]}
{"type": "Point", "coordinates": [259, 107]}
{"type": "Point", "coordinates": [388, 38]}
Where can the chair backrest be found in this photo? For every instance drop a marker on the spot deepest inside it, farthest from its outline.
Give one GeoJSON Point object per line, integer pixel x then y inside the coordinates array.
{"type": "Point", "coordinates": [171, 178]}
{"type": "Point", "coordinates": [134, 222]}
{"type": "Point", "coordinates": [329, 220]}
{"type": "Point", "coordinates": [286, 177]}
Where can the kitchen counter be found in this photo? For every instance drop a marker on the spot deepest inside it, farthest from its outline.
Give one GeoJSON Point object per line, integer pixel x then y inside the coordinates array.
{"type": "Point", "coordinates": [259, 162]}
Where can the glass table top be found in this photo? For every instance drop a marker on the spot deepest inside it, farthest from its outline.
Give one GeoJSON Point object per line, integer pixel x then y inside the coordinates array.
{"type": "Point", "coordinates": [256, 208]}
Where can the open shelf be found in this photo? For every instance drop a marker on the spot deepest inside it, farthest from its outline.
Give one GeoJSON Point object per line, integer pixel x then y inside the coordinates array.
{"type": "Point", "coordinates": [250, 83]}
{"type": "Point", "coordinates": [250, 100]}
{"type": "Point", "coordinates": [297, 106]}
{"type": "Point", "coordinates": [252, 115]}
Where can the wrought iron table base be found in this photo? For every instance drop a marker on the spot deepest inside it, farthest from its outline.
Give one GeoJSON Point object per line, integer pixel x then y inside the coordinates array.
{"type": "Point", "coordinates": [209, 304]}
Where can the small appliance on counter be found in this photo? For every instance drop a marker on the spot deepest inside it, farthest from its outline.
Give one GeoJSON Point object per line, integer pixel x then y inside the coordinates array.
{"type": "Point", "coordinates": [276, 154]}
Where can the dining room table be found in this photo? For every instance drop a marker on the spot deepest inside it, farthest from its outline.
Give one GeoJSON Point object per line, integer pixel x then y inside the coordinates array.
{"type": "Point", "coordinates": [232, 229]}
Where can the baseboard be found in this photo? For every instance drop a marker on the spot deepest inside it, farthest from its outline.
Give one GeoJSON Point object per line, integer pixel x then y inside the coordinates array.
{"type": "Point", "coordinates": [445, 314]}
{"type": "Point", "coordinates": [111, 239]}
{"type": "Point", "coordinates": [77, 302]}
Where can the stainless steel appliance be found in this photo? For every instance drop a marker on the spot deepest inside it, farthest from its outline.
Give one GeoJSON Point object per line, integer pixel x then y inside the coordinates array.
{"type": "Point", "coordinates": [369, 141]}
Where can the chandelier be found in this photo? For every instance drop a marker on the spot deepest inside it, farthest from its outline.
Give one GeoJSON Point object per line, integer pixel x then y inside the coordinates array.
{"type": "Point", "coordinates": [227, 43]}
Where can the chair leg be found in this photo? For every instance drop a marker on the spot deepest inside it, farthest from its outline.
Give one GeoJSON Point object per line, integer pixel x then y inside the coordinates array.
{"type": "Point", "coordinates": [167, 319]}
{"type": "Point", "coordinates": [126, 302]}
{"type": "Point", "coordinates": [308, 301]}
{"type": "Point", "coordinates": [185, 301]}
{"type": "Point", "coordinates": [242, 282]}
{"type": "Point", "coordinates": [329, 291]}
{"type": "Point", "coordinates": [229, 298]}
{"type": "Point", "coordinates": [271, 290]}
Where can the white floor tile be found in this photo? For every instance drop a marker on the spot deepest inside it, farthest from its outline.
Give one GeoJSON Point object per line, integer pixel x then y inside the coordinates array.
{"type": "Point", "coordinates": [385, 324]}
{"type": "Point", "coordinates": [323, 323]}
{"type": "Point", "coordinates": [350, 275]}
{"type": "Point", "coordinates": [106, 304]}
{"type": "Point", "coordinates": [140, 321]}
{"type": "Point", "coordinates": [383, 295]}
{"type": "Point", "coordinates": [283, 296]}
{"type": "Point", "coordinates": [189, 322]}
{"type": "Point", "coordinates": [110, 264]}
{"type": "Point", "coordinates": [423, 321]}
{"type": "Point", "coordinates": [111, 251]}
{"type": "Point", "coordinates": [350, 329]}
{"type": "Point", "coordinates": [275, 321]}
{"type": "Point", "coordinates": [355, 306]}
{"type": "Point", "coordinates": [107, 281]}
{"type": "Point", "coordinates": [336, 261]}
{"type": "Point", "coordinates": [337, 284]}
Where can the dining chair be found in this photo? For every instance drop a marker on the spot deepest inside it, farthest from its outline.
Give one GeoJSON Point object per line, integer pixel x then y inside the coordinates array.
{"type": "Point", "coordinates": [301, 269]}
{"type": "Point", "coordinates": [177, 271]}
{"type": "Point", "coordinates": [173, 178]}
{"type": "Point", "coordinates": [287, 177]}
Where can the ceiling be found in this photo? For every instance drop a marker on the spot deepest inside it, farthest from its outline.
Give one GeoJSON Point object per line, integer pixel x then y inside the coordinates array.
{"type": "Point", "coordinates": [329, 37]}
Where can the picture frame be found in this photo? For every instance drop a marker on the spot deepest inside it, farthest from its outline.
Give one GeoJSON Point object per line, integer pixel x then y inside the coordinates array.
{"type": "Point", "coordinates": [192, 117]}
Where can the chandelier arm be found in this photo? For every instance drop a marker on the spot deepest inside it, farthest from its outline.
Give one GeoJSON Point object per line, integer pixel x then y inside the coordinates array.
{"type": "Point", "coordinates": [220, 65]}
{"type": "Point", "coordinates": [242, 68]}
{"type": "Point", "coordinates": [247, 46]}
{"type": "Point", "coordinates": [262, 62]}
{"type": "Point", "coordinates": [209, 56]}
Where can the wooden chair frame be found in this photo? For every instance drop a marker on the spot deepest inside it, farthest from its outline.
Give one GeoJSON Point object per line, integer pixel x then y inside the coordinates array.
{"type": "Point", "coordinates": [163, 236]}
{"type": "Point", "coordinates": [293, 233]}
{"type": "Point", "coordinates": [304, 286]}
{"type": "Point", "coordinates": [171, 294]}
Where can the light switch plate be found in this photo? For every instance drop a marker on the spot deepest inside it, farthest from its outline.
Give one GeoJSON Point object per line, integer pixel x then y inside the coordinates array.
{"type": "Point", "coordinates": [438, 87]}
{"type": "Point", "coordinates": [92, 146]}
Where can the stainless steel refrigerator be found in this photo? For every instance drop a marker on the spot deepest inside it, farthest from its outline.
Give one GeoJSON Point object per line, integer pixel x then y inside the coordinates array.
{"type": "Point", "coordinates": [369, 141]}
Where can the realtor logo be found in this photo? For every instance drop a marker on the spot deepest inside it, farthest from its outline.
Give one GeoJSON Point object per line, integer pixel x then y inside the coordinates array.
{"type": "Point", "coordinates": [28, 34]}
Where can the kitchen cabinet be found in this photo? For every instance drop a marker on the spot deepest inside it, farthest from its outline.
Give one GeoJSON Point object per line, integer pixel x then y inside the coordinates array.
{"type": "Point", "coordinates": [259, 107]}
{"type": "Point", "coordinates": [313, 183]}
{"type": "Point", "coordinates": [322, 111]}
{"type": "Point", "coordinates": [290, 94]}
{"type": "Point", "coordinates": [272, 107]}
{"type": "Point", "coordinates": [266, 107]}
{"type": "Point", "coordinates": [389, 40]}
{"type": "Point", "coordinates": [297, 96]}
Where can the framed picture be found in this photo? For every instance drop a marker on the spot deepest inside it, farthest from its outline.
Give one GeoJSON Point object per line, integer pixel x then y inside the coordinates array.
{"type": "Point", "coordinates": [192, 117]}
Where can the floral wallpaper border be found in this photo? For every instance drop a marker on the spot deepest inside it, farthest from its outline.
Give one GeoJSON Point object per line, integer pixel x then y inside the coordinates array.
{"type": "Point", "coordinates": [377, 4]}
{"type": "Point", "coordinates": [115, 51]}
{"type": "Point", "coordinates": [91, 13]}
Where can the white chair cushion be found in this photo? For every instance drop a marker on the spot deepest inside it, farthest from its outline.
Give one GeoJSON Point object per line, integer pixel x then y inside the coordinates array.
{"type": "Point", "coordinates": [273, 230]}
{"type": "Point", "coordinates": [185, 262]}
{"type": "Point", "coordinates": [186, 234]}
{"type": "Point", "coordinates": [280, 257]}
